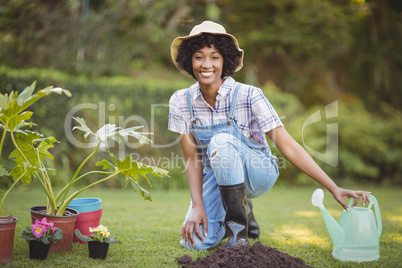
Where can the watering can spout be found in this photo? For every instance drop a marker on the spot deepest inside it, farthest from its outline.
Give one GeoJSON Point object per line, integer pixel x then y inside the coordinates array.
{"type": "Point", "coordinates": [336, 232]}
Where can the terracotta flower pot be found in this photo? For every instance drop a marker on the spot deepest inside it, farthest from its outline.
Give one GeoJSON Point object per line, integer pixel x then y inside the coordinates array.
{"type": "Point", "coordinates": [7, 240]}
{"type": "Point", "coordinates": [65, 223]}
{"type": "Point", "coordinates": [98, 250]}
{"type": "Point", "coordinates": [38, 250]}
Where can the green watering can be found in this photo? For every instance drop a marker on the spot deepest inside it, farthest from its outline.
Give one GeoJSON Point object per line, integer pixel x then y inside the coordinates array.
{"type": "Point", "coordinates": [356, 237]}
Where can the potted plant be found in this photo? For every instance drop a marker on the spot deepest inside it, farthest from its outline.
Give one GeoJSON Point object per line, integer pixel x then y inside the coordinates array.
{"type": "Point", "coordinates": [98, 241]}
{"type": "Point", "coordinates": [13, 116]}
{"type": "Point", "coordinates": [31, 148]}
{"type": "Point", "coordinates": [7, 229]}
{"type": "Point", "coordinates": [39, 236]}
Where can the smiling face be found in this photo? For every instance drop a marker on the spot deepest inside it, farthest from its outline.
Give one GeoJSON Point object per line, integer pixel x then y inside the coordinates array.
{"type": "Point", "coordinates": [207, 67]}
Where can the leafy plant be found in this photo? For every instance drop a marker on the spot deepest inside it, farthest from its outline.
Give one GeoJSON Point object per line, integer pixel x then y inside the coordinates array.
{"type": "Point", "coordinates": [42, 231]}
{"type": "Point", "coordinates": [130, 169]}
{"type": "Point", "coordinates": [31, 148]}
{"type": "Point", "coordinates": [100, 233]}
{"type": "Point", "coordinates": [13, 118]}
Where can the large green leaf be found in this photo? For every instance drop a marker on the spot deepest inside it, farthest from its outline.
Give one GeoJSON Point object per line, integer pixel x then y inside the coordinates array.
{"type": "Point", "coordinates": [28, 151]}
{"type": "Point", "coordinates": [5, 101]}
{"type": "Point", "coordinates": [159, 172]}
{"type": "Point", "coordinates": [23, 171]}
{"type": "Point", "coordinates": [26, 94]}
{"type": "Point", "coordinates": [45, 240]}
{"type": "Point", "coordinates": [41, 93]}
{"type": "Point", "coordinates": [19, 127]}
{"type": "Point", "coordinates": [16, 120]}
{"type": "Point", "coordinates": [56, 236]}
{"type": "Point", "coordinates": [111, 240]}
{"type": "Point", "coordinates": [137, 187]}
{"type": "Point", "coordinates": [132, 168]}
{"type": "Point", "coordinates": [12, 104]}
{"type": "Point", "coordinates": [103, 135]}
{"type": "Point", "coordinates": [125, 133]}
{"type": "Point", "coordinates": [106, 164]}
{"type": "Point", "coordinates": [107, 132]}
{"type": "Point", "coordinates": [82, 237]}
{"type": "Point", "coordinates": [111, 131]}
{"type": "Point", "coordinates": [83, 127]}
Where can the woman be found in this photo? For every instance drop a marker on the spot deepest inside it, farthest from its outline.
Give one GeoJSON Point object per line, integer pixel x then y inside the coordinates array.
{"type": "Point", "coordinates": [222, 126]}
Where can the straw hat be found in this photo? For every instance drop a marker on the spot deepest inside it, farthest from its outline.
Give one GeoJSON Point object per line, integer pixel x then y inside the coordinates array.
{"type": "Point", "coordinates": [205, 27]}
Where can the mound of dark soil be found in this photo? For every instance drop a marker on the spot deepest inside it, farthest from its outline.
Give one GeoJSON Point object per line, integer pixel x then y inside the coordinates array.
{"type": "Point", "coordinates": [257, 255]}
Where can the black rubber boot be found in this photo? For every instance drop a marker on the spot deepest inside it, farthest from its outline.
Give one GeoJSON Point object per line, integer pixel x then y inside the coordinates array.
{"type": "Point", "coordinates": [253, 228]}
{"type": "Point", "coordinates": [235, 203]}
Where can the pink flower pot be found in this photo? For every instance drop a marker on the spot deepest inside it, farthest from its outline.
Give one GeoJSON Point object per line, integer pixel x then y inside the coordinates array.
{"type": "Point", "coordinates": [86, 220]}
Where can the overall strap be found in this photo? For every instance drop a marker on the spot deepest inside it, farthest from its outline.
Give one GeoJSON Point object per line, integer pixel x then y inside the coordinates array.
{"type": "Point", "coordinates": [190, 108]}
{"type": "Point", "coordinates": [189, 105]}
{"type": "Point", "coordinates": [233, 104]}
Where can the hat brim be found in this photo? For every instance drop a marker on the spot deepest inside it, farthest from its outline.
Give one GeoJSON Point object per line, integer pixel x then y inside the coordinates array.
{"type": "Point", "coordinates": [174, 47]}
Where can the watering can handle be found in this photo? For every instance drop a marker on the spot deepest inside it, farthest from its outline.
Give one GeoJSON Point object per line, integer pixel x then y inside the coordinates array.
{"type": "Point", "coordinates": [351, 202]}
{"type": "Point", "coordinates": [377, 213]}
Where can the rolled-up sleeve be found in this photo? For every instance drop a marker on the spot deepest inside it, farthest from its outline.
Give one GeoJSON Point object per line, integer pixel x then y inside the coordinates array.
{"type": "Point", "coordinates": [262, 109]}
{"type": "Point", "coordinates": [177, 122]}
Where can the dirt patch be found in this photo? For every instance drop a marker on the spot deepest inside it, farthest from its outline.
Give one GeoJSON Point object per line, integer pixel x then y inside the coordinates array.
{"type": "Point", "coordinates": [6, 219]}
{"type": "Point", "coordinates": [257, 255]}
{"type": "Point", "coordinates": [66, 212]}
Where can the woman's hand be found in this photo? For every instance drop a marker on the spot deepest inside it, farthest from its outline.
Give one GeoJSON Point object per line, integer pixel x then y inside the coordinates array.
{"type": "Point", "coordinates": [197, 217]}
{"type": "Point", "coordinates": [195, 181]}
{"type": "Point", "coordinates": [340, 195]}
{"type": "Point", "coordinates": [296, 154]}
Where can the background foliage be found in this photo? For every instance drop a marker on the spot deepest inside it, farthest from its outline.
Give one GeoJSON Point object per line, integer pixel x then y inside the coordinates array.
{"type": "Point", "coordinates": [321, 50]}
{"type": "Point", "coordinates": [304, 54]}
{"type": "Point", "coordinates": [369, 145]}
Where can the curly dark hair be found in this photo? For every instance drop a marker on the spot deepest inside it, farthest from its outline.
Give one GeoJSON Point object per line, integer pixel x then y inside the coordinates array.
{"type": "Point", "coordinates": [224, 44]}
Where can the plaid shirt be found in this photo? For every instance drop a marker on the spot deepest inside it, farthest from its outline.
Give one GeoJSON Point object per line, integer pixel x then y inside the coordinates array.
{"type": "Point", "coordinates": [254, 113]}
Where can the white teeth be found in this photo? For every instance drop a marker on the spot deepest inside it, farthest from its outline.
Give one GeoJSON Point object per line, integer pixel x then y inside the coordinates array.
{"type": "Point", "coordinates": [206, 74]}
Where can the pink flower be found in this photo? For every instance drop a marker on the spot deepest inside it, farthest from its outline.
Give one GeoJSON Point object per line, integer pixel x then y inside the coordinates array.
{"type": "Point", "coordinates": [38, 230]}
{"type": "Point", "coordinates": [52, 227]}
{"type": "Point", "coordinates": [42, 227]}
{"type": "Point", "coordinates": [44, 221]}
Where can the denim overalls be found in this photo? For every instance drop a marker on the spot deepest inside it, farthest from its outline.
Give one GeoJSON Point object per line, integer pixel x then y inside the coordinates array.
{"type": "Point", "coordinates": [227, 159]}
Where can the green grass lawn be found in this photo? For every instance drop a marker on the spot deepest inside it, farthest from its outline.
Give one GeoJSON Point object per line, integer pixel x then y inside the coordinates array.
{"type": "Point", "coordinates": [150, 231]}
